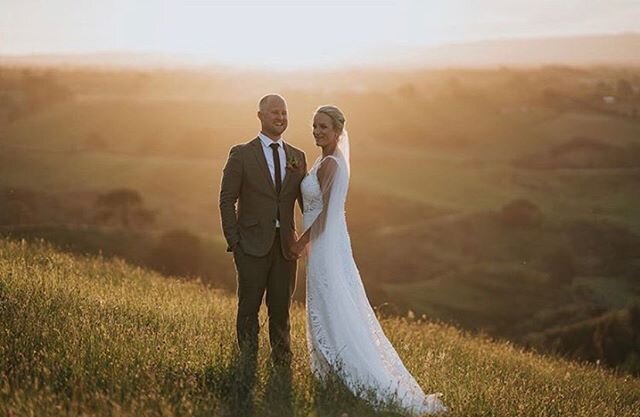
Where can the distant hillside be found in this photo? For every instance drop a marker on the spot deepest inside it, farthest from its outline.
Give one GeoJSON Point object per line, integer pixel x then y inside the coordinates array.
{"type": "Point", "coordinates": [612, 336]}
{"type": "Point", "coordinates": [623, 49]}
{"type": "Point", "coordinates": [119, 60]}
{"type": "Point", "coordinates": [582, 153]}
{"type": "Point", "coordinates": [618, 49]}
{"type": "Point", "coordinates": [82, 336]}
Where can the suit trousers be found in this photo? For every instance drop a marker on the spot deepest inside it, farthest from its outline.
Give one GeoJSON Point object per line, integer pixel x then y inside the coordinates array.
{"type": "Point", "coordinates": [276, 276]}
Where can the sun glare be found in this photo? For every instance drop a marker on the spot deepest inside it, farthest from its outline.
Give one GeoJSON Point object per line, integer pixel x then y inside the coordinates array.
{"type": "Point", "coordinates": [274, 34]}
{"type": "Point", "coordinates": [282, 35]}
{"type": "Point", "coordinates": [287, 34]}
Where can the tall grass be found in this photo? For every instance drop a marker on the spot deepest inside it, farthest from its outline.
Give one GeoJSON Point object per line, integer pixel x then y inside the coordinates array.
{"type": "Point", "coordinates": [82, 336]}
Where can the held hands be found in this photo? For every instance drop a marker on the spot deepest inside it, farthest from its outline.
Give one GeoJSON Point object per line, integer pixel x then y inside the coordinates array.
{"type": "Point", "coordinates": [297, 248]}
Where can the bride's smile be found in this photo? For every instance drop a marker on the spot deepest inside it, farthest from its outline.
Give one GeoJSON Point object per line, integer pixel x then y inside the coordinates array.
{"type": "Point", "coordinates": [325, 133]}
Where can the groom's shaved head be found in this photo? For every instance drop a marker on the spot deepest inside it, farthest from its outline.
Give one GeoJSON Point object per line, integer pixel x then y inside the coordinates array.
{"type": "Point", "coordinates": [264, 101]}
{"type": "Point", "coordinates": [272, 112]}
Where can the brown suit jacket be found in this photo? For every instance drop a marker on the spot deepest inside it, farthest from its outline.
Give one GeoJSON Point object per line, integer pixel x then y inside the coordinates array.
{"type": "Point", "coordinates": [246, 181]}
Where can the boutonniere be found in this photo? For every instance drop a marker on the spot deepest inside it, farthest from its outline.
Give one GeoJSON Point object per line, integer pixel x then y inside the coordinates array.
{"type": "Point", "coordinates": [293, 163]}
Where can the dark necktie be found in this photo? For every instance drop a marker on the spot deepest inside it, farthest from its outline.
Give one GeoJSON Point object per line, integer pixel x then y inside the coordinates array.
{"type": "Point", "coordinates": [276, 165]}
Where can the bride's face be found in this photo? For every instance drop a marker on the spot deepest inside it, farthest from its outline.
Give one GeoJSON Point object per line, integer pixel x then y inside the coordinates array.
{"type": "Point", "coordinates": [323, 130]}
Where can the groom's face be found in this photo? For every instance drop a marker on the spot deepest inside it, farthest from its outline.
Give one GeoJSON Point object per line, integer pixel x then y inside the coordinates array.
{"type": "Point", "coordinates": [273, 117]}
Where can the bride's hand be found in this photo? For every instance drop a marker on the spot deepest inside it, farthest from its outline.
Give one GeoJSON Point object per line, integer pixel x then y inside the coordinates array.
{"type": "Point", "coordinates": [298, 248]}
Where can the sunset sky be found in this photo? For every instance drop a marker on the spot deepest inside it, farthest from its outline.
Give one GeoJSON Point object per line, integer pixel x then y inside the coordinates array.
{"type": "Point", "coordinates": [293, 34]}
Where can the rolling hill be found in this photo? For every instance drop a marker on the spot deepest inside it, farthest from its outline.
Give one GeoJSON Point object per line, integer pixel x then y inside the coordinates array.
{"type": "Point", "coordinates": [588, 49]}
{"type": "Point", "coordinates": [85, 336]}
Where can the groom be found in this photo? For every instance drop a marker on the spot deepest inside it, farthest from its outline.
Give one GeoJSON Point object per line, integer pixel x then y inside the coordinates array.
{"type": "Point", "coordinates": [260, 184]}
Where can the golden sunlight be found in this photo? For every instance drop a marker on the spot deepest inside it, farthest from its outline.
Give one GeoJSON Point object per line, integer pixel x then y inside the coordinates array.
{"type": "Point", "coordinates": [285, 34]}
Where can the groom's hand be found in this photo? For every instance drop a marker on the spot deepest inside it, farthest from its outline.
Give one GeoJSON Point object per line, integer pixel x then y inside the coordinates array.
{"type": "Point", "coordinates": [236, 248]}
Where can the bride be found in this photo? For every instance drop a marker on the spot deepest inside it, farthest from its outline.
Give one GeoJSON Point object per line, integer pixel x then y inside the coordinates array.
{"type": "Point", "coordinates": [344, 337]}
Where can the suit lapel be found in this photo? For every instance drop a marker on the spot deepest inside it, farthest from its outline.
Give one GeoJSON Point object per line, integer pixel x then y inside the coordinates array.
{"type": "Point", "coordinates": [262, 161]}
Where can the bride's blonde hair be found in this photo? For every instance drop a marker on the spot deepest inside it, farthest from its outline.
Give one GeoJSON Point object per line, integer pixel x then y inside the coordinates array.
{"type": "Point", "coordinates": [336, 115]}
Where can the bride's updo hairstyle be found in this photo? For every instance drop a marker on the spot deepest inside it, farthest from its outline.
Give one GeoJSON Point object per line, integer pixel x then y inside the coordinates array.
{"type": "Point", "coordinates": [336, 116]}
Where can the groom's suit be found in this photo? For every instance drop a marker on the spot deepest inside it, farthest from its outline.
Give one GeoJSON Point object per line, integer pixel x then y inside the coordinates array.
{"type": "Point", "coordinates": [250, 210]}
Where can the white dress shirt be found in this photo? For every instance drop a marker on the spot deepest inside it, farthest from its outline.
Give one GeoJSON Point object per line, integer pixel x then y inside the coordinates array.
{"type": "Point", "coordinates": [268, 154]}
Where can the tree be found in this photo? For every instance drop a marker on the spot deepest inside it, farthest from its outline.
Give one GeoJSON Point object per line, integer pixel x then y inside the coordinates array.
{"type": "Point", "coordinates": [124, 207]}
{"type": "Point", "coordinates": [521, 213]}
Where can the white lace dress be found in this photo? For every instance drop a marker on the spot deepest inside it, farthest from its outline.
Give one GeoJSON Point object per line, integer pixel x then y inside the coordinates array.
{"type": "Point", "coordinates": [343, 333]}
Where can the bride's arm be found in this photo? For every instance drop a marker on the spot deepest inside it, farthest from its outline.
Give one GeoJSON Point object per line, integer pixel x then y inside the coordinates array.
{"type": "Point", "coordinates": [326, 175]}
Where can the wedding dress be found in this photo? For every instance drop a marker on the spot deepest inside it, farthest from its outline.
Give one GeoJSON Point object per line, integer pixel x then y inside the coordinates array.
{"type": "Point", "coordinates": [344, 336]}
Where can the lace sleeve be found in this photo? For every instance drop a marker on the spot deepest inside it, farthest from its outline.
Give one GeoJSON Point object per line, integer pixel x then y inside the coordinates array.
{"type": "Point", "coordinates": [326, 177]}
{"type": "Point", "coordinates": [326, 173]}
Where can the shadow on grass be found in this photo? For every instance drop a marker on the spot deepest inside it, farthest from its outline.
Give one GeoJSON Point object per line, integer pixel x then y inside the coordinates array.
{"type": "Point", "coordinates": [334, 398]}
{"type": "Point", "coordinates": [232, 385]}
{"type": "Point", "coordinates": [278, 396]}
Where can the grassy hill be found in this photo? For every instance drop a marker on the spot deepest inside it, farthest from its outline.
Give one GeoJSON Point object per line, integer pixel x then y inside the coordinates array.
{"type": "Point", "coordinates": [438, 158]}
{"type": "Point", "coordinates": [85, 336]}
